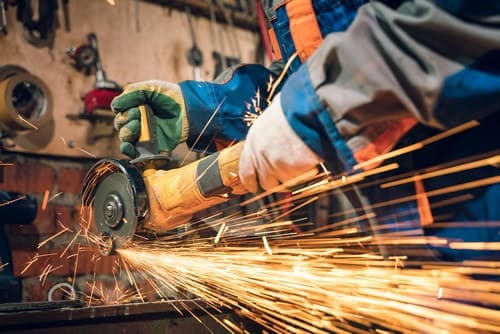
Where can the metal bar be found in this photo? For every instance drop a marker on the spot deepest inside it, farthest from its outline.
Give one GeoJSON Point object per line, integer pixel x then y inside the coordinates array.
{"type": "Point", "coordinates": [46, 317]}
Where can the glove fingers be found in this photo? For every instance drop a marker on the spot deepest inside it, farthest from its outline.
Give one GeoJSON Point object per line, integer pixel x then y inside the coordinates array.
{"type": "Point", "coordinates": [128, 149]}
{"type": "Point", "coordinates": [124, 117]}
{"type": "Point", "coordinates": [129, 99]}
{"type": "Point", "coordinates": [130, 131]}
{"type": "Point", "coordinates": [247, 171]}
{"type": "Point", "coordinates": [268, 181]}
{"type": "Point", "coordinates": [163, 97]}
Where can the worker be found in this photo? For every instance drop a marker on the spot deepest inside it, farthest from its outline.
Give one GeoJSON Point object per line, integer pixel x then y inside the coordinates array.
{"type": "Point", "coordinates": [364, 79]}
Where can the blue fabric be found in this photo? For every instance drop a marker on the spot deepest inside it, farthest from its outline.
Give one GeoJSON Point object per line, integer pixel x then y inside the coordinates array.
{"type": "Point", "coordinates": [474, 90]}
{"type": "Point", "coordinates": [309, 118]}
{"type": "Point", "coordinates": [483, 208]}
{"type": "Point", "coordinates": [230, 98]}
{"type": "Point", "coordinates": [332, 16]}
{"type": "Point", "coordinates": [470, 8]}
{"type": "Point", "coordinates": [484, 205]}
{"type": "Point", "coordinates": [281, 26]}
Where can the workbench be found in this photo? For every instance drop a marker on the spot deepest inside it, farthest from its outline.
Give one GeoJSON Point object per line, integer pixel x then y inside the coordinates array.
{"type": "Point", "coordinates": [75, 318]}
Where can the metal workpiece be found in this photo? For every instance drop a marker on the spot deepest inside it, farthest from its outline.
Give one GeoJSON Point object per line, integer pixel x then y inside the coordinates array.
{"type": "Point", "coordinates": [74, 317]}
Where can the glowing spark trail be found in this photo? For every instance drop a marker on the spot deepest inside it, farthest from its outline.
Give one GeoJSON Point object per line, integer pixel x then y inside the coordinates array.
{"type": "Point", "coordinates": [313, 289]}
{"type": "Point", "coordinates": [272, 264]}
{"type": "Point", "coordinates": [27, 122]}
{"type": "Point", "coordinates": [45, 200]}
{"type": "Point", "coordinates": [12, 201]}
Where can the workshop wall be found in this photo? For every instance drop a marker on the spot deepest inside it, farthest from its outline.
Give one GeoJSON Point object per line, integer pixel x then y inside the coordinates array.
{"type": "Point", "coordinates": [62, 179]}
{"type": "Point", "coordinates": [137, 41]}
{"type": "Point", "coordinates": [56, 183]}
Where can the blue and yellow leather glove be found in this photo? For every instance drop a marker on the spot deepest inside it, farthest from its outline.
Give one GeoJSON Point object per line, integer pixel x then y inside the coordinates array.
{"type": "Point", "coordinates": [167, 103]}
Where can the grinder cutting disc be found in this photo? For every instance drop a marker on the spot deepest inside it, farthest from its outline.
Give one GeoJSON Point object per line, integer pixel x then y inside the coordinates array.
{"type": "Point", "coordinates": [114, 212]}
{"type": "Point", "coordinates": [116, 192]}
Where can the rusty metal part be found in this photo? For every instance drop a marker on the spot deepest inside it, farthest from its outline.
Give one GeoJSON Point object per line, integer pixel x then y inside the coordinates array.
{"type": "Point", "coordinates": [25, 100]}
{"type": "Point", "coordinates": [152, 317]}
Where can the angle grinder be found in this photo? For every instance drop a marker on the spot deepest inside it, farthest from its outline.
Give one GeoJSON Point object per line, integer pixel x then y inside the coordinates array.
{"type": "Point", "coordinates": [125, 197]}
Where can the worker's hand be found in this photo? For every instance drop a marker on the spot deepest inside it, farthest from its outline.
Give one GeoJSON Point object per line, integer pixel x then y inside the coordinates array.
{"type": "Point", "coordinates": [273, 153]}
{"type": "Point", "coordinates": [167, 103]}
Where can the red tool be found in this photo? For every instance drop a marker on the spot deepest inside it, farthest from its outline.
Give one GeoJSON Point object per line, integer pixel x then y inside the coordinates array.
{"type": "Point", "coordinates": [97, 102]}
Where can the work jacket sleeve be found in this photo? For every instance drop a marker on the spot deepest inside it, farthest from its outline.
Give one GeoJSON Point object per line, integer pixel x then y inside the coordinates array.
{"type": "Point", "coordinates": [363, 89]}
{"type": "Point", "coordinates": [217, 111]}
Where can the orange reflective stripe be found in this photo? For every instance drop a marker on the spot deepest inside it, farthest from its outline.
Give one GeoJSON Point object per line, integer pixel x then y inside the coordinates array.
{"type": "Point", "coordinates": [304, 27]}
{"type": "Point", "coordinates": [274, 44]}
{"type": "Point", "coordinates": [424, 208]}
{"type": "Point", "coordinates": [386, 141]}
{"type": "Point", "coordinates": [221, 144]}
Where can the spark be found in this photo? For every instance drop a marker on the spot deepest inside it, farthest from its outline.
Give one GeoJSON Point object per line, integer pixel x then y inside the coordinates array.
{"type": "Point", "coordinates": [219, 106]}
{"type": "Point", "coordinates": [29, 263]}
{"type": "Point", "coordinates": [322, 290]}
{"type": "Point", "coordinates": [444, 171]}
{"type": "Point", "coordinates": [266, 246]}
{"type": "Point", "coordinates": [27, 122]}
{"type": "Point", "coordinates": [475, 245]}
{"type": "Point", "coordinates": [323, 280]}
{"type": "Point", "coordinates": [280, 78]}
{"type": "Point", "coordinates": [86, 152]}
{"type": "Point", "coordinates": [72, 145]}
{"type": "Point", "coordinates": [12, 201]}
{"type": "Point", "coordinates": [41, 244]}
{"type": "Point", "coordinates": [92, 290]}
{"type": "Point", "coordinates": [45, 200]}
{"type": "Point", "coordinates": [417, 146]}
{"type": "Point", "coordinates": [56, 195]}
{"type": "Point", "coordinates": [70, 243]}
{"type": "Point", "coordinates": [220, 233]}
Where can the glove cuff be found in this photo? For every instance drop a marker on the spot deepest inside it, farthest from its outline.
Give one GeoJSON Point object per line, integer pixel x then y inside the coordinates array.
{"type": "Point", "coordinates": [184, 119]}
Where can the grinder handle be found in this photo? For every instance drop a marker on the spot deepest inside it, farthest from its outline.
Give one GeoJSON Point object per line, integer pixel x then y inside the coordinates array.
{"type": "Point", "coordinates": [176, 194]}
{"type": "Point", "coordinates": [146, 144]}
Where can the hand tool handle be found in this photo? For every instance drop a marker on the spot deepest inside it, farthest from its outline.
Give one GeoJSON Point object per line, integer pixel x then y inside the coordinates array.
{"type": "Point", "coordinates": [146, 144]}
{"type": "Point", "coordinates": [3, 17]}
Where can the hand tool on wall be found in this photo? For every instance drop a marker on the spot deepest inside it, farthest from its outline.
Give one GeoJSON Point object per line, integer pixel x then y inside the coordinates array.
{"type": "Point", "coordinates": [40, 33]}
{"type": "Point", "coordinates": [97, 102]}
{"type": "Point", "coordinates": [194, 55]}
{"type": "Point", "coordinates": [126, 197]}
{"type": "Point", "coordinates": [67, 22]}
{"type": "Point", "coordinates": [221, 62]}
{"type": "Point", "coordinates": [3, 17]}
{"type": "Point", "coordinates": [25, 101]}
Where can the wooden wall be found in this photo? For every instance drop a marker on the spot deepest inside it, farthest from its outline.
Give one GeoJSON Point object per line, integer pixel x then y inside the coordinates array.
{"type": "Point", "coordinates": [155, 48]}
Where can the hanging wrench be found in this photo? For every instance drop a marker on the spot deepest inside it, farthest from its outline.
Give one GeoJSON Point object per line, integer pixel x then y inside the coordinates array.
{"type": "Point", "coordinates": [3, 17]}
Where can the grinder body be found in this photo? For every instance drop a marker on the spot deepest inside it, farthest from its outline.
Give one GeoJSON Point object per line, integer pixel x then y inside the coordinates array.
{"type": "Point", "coordinates": [176, 194]}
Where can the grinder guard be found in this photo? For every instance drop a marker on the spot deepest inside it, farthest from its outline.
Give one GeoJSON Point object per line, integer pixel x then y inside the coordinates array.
{"type": "Point", "coordinates": [115, 191]}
